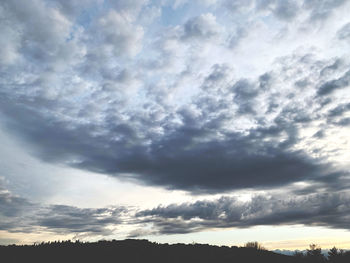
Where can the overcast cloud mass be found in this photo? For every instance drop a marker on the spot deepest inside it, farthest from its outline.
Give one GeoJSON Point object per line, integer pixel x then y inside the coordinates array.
{"type": "Point", "coordinates": [210, 97]}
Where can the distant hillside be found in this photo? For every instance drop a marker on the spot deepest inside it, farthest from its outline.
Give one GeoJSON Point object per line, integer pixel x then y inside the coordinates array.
{"type": "Point", "coordinates": [292, 252]}
{"type": "Point", "coordinates": [137, 251]}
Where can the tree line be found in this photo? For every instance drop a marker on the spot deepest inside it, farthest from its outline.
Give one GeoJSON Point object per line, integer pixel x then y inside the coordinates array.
{"type": "Point", "coordinates": [130, 250]}
{"type": "Point", "coordinates": [314, 254]}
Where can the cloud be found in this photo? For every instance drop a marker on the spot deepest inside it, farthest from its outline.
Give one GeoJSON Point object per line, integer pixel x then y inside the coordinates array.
{"type": "Point", "coordinates": [34, 29]}
{"type": "Point", "coordinates": [72, 219]}
{"type": "Point", "coordinates": [344, 122]}
{"type": "Point", "coordinates": [289, 10]}
{"type": "Point", "coordinates": [283, 10]}
{"type": "Point", "coordinates": [74, 8]}
{"type": "Point", "coordinates": [220, 142]}
{"type": "Point", "coordinates": [328, 70]}
{"type": "Point", "coordinates": [238, 6]}
{"type": "Point", "coordinates": [237, 36]}
{"type": "Point", "coordinates": [235, 161]}
{"type": "Point", "coordinates": [344, 32]}
{"type": "Point", "coordinates": [100, 92]}
{"type": "Point", "coordinates": [286, 9]}
{"type": "Point", "coordinates": [323, 207]}
{"type": "Point", "coordinates": [114, 36]}
{"type": "Point", "coordinates": [202, 27]}
{"type": "Point", "coordinates": [326, 209]}
{"type": "Point", "coordinates": [119, 34]}
{"type": "Point", "coordinates": [339, 110]}
{"type": "Point", "coordinates": [332, 85]}
{"type": "Point", "coordinates": [18, 214]}
{"type": "Point", "coordinates": [128, 5]}
{"type": "Point", "coordinates": [322, 10]}
{"type": "Point", "coordinates": [245, 93]}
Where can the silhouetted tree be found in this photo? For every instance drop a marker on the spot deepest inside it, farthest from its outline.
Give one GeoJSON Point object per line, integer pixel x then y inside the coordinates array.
{"type": "Point", "coordinates": [314, 254]}
{"type": "Point", "coordinates": [254, 244]}
{"type": "Point", "coordinates": [333, 254]}
{"type": "Point", "coordinates": [336, 255]}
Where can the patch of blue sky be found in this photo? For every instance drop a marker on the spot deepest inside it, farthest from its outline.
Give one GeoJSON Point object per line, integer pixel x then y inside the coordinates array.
{"type": "Point", "coordinates": [85, 18]}
{"type": "Point", "coordinates": [271, 21]}
{"type": "Point", "coordinates": [90, 13]}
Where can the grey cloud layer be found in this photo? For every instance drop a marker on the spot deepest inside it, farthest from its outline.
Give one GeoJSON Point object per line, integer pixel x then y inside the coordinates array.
{"type": "Point", "coordinates": [316, 209]}
{"type": "Point", "coordinates": [88, 92]}
{"type": "Point", "coordinates": [17, 214]}
{"type": "Point", "coordinates": [331, 210]}
{"type": "Point", "coordinates": [193, 148]}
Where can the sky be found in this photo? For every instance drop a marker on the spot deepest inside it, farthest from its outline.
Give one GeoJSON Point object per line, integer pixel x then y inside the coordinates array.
{"type": "Point", "coordinates": [208, 121]}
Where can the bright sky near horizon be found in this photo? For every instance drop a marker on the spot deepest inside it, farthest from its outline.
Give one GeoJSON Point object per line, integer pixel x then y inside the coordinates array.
{"type": "Point", "coordinates": [209, 121]}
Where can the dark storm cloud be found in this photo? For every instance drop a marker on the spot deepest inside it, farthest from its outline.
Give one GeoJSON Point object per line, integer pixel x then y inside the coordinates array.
{"type": "Point", "coordinates": [331, 210]}
{"type": "Point", "coordinates": [179, 160]}
{"type": "Point", "coordinates": [215, 166]}
{"type": "Point", "coordinates": [17, 214]}
{"type": "Point", "coordinates": [193, 152]}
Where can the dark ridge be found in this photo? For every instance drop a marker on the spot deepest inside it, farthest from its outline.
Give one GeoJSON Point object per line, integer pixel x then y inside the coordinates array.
{"type": "Point", "coordinates": [131, 250]}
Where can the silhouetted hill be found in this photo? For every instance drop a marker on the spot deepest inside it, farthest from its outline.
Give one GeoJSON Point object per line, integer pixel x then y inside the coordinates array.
{"type": "Point", "coordinates": [136, 251]}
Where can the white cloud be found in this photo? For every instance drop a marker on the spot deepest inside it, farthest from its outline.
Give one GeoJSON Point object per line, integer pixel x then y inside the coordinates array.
{"type": "Point", "coordinates": [119, 34]}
